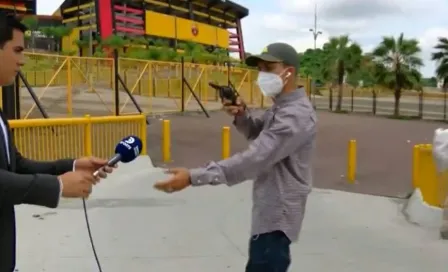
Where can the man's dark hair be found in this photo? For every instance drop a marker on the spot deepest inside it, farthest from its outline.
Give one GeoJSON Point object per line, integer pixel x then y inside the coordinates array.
{"type": "Point", "coordinates": [8, 23]}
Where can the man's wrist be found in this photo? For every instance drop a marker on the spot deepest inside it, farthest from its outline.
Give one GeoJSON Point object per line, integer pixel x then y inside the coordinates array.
{"type": "Point", "coordinates": [74, 166]}
{"type": "Point", "coordinates": [195, 177]}
{"type": "Point", "coordinates": [242, 112]}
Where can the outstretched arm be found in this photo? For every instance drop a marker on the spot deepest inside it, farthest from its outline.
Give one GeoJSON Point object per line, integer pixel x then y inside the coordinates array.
{"type": "Point", "coordinates": [287, 132]}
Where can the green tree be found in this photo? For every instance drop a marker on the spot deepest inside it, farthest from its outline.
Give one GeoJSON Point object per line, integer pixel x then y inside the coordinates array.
{"type": "Point", "coordinates": [311, 63]}
{"type": "Point", "coordinates": [441, 57]}
{"type": "Point", "coordinates": [221, 55]}
{"type": "Point", "coordinates": [32, 23]}
{"type": "Point", "coordinates": [341, 57]}
{"type": "Point", "coordinates": [429, 82]}
{"type": "Point", "coordinates": [59, 32]}
{"type": "Point", "coordinates": [398, 65]}
{"type": "Point", "coordinates": [193, 52]}
{"type": "Point", "coordinates": [114, 42]}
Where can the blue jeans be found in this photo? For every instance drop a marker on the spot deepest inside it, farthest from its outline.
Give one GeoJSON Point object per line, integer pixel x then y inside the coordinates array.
{"type": "Point", "coordinates": [269, 252]}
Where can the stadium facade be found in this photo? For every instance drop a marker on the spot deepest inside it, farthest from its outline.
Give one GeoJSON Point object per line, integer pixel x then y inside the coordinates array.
{"type": "Point", "coordinates": [214, 23]}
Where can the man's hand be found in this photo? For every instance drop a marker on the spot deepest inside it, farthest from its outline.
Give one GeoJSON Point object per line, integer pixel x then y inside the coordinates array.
{"type": "Point", "coordinates": [76, 184]}
{"type": "Point", "coordinates": [92, 164]}
{"type": "Point", "coordinates": [179, 181]}
{"type": "Point", "coordinates": [234, 110]}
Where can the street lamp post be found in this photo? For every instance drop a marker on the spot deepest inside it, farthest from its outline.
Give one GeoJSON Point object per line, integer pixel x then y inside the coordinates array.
{"type": "Point", "coordinates": [315, 33]}
{"type": "Point", "coordinates": [91, 31]}
{"type": "Point", "coordinates": [314, 30]}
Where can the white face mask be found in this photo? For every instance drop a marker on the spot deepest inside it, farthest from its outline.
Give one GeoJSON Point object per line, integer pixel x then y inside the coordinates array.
{"type": "Point", "coordinates": [270, 84]}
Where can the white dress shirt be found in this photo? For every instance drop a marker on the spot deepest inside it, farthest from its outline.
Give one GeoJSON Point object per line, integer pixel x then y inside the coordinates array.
{"type": "Point", "coordinates": [5, 136]}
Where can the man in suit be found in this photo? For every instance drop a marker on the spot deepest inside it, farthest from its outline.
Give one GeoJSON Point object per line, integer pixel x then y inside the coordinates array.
{"type": "Point", "coordinates": [24, 181]}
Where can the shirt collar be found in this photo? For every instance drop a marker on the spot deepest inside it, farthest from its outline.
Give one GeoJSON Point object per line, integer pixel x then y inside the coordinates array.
{"type": "Point", "coordinates": [293, 95]}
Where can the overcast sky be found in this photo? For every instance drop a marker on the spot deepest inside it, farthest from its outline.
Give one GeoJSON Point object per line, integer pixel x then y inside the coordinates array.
{"type": "Point", "coordinates": [366, 21]}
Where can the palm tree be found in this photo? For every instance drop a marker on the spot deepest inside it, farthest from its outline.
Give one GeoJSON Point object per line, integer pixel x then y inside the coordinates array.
{"type": "Point", "coordinates": [441, 57]}
{"type": "Point", "coordinates": [398, 64]}
{"type": "Point", "coordinates": [341, 57]}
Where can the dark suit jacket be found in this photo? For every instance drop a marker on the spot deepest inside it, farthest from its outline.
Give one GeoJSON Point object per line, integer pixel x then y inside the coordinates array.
{"type": "Point", "coordinates": [23, 181]}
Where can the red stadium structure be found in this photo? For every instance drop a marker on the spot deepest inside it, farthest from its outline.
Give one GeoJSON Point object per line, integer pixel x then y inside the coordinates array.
{"type": "Point", "coordinates": [212, 23]}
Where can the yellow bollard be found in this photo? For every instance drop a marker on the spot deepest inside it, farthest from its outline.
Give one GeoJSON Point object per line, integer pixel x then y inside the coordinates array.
{"type": "Point", "coordinates": [416, 166]}
{"type": "Point", "coordinates": [166, 141]}
{"type": "Point", "coordinates": [225, 142]}
{"type": "Point", "coordinates": [351, 161]}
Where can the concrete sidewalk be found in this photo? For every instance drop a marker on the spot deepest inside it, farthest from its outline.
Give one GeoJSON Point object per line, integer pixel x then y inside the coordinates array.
{"type": "Point", "coordinates": [206, 229]}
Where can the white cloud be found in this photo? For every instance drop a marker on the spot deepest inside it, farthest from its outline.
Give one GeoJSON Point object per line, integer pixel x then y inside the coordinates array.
{"type": "Point", "coordinates": [431, 36]}
{"type": "Point", "coordinates": [278, 21]}
{"type": "Point", "coordinates": [305, 42]}
{"type": "Point", "coordinates": [365, 21]}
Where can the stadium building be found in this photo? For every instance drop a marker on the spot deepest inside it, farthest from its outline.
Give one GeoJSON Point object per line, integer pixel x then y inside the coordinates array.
{"type": "Point", "coordinates": [212, 23]}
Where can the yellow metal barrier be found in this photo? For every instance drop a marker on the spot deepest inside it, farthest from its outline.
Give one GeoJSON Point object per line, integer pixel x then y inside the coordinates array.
{"type": "Point", "coordinates": [50, 139]}
{"type": "Point", "coordinates": [64, 84]}
{"type": "Point", "coordinates": [432, 185]}
{"type": "Point", "coordinates": [351, 161]}
{"type": "Point", "coordinates": [75, 86]}
{"type": "Point", "coordinates": [225, 142]}
{"type": "Point", "coordinates": [166, 141]}
{"type": "Point", "coordinates": [415, 166]}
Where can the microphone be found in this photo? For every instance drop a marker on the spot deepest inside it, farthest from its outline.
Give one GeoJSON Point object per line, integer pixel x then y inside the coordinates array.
{"type": "Point", "coordinates": [127, 150]}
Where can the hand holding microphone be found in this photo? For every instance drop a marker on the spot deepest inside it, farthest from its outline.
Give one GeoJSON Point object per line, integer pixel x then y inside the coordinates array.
{"type": "Point", "coordinates": [89, 170]}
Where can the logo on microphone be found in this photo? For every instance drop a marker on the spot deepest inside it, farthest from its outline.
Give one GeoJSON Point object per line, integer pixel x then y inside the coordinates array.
{"type": "Point", "coordinates": [129, 148]}
{"type": "Point", "coordinates": [128, 144]}
{"type": "Point", "coordinates": [131, 140]}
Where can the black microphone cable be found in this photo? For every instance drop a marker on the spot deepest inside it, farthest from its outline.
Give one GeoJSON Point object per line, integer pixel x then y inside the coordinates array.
{"type": "Point", "coordinates": [113, 161]}
{"type": "Point", "coordinates": [90, 235]}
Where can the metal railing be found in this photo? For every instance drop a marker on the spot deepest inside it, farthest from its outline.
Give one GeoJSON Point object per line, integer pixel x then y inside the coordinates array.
{"type": "Point", "coordinates": [431, 105]}
{"type": "Point", "coordinates": [56, 138]}
{"type": "Point", "coordinates": [75, 86]}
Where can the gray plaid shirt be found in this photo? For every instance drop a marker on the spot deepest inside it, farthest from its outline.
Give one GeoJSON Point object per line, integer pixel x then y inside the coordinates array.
{"type": "Point", "coordinates": [278, 160]}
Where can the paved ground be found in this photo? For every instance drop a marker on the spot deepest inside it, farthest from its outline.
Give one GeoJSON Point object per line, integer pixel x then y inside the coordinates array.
{"type": "Point", "coordinates": [384, 148]}
{"type": "Point", "coordinates": [101, 102]}
{"type": "Point", "coordinates": [206, 229]}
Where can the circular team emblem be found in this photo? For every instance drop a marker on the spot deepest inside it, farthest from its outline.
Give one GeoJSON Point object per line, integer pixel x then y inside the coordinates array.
{"type": "Point", "coordinates": [194, 30]}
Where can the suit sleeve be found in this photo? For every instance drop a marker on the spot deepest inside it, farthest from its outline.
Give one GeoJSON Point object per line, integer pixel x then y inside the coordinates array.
{"type": "Point", "coordinates": [35, 189]}
{"type": "Point", "coordinates": [27, 166]}
{"type": "Point", "coordinates": [34, 182]}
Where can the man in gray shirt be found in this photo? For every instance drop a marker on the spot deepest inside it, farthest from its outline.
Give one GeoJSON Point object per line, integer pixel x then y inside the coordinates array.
{"type": "Point", "coordinates": [278, 160]}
